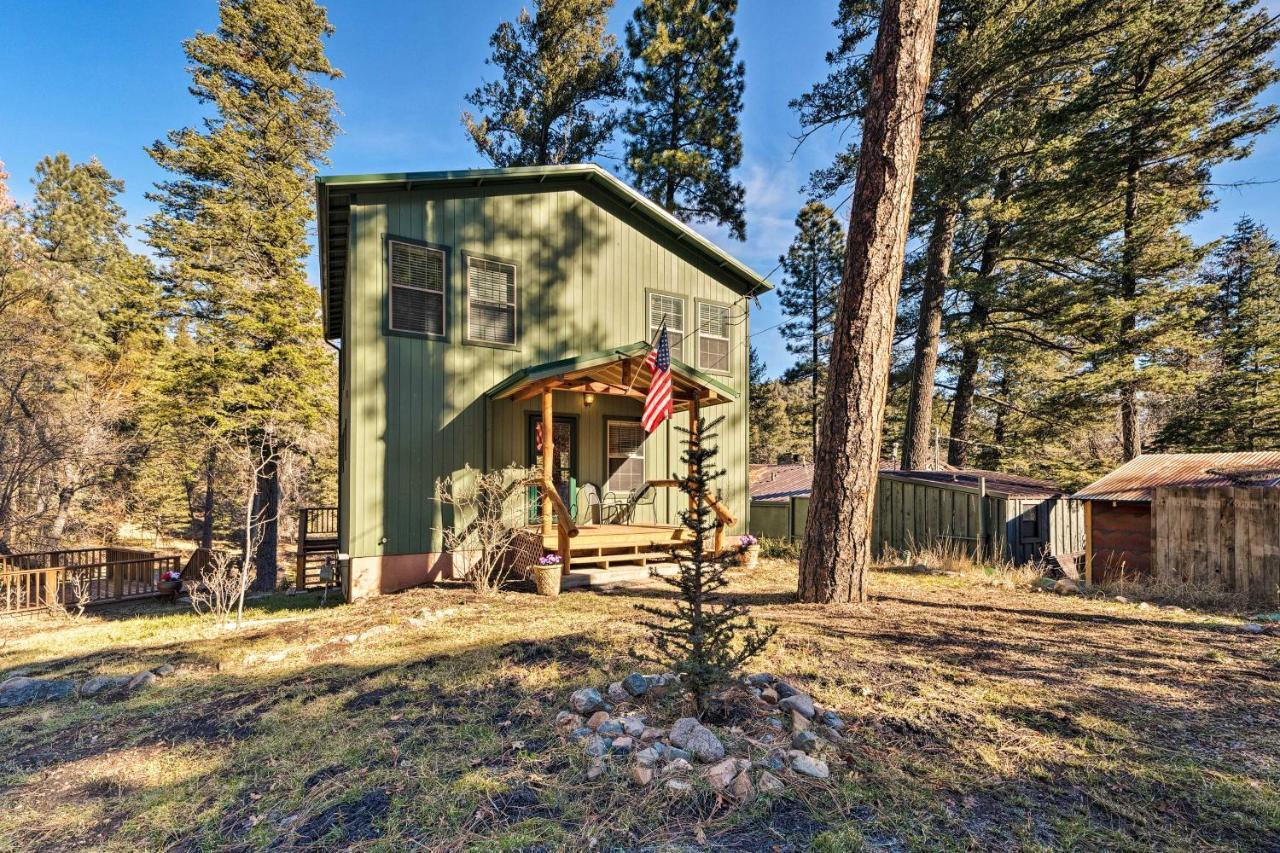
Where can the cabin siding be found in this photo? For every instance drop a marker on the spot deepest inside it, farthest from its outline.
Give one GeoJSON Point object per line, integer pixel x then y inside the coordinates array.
{"type": "Point", "coordinates": [415, 408]}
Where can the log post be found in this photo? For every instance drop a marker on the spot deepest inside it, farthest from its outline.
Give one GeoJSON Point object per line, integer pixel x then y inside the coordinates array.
{"type": "Point", "coordinates": [695, 436]}
{"type": "Point", "coordinates": [548, 452]}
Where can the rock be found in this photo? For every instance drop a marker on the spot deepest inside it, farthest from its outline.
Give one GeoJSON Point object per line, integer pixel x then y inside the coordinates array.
{"type": "Point", "coordinates": [784, 689]}
{"type": "Point", "coordinates": [581, 733]}
{"type": "Point", "coordinates": [652, 734]}
{"type": "Point", "coordinates": [808, 766]}
{"type": "Point", "coordinates": [1066, 586]}
{"type": "Point", "coordinates": [165, 670]}
{"type": "Point", "coordinates": [1250, 628]}
{"type": "Point", "coordinates": [596, 746]}
{"type": "Point", "coordinates": [633, 726]}
{"type": "Point", "coordinates": [679, 785]}
{"type": "Point", "coordinates": [641, 774]}
{"type": "Point", "coordinates": [773, 723]}
{"type": "Point", "coordinates": [647, 757]}
{"type": "Point", "coordinates": [635, 684]}
{"type": "Point", "coordinates": [597, 719]}
{"type": "Point", "coordinates": [760, 679]}
{"type": "Point", "coordinates": [691, 735]}
{"type": "Point", "coordinates": [675, 767]}
{"type": "Point", "coordinates": [612, 728]}
{"type": "Point", "coordinates": [799, 722]}
{"type": "Point", "coordinates": [769, 783]}
{"type": "Point", "coordinates": [586, 701]}
{"type": "Point", "coordinates": [568, 720]}
{"type": "Point", "coordinates": [142, 679]}
{"type": "Point", "coordinates": [720, 774]}
{"type": "Point", "coordinates": [675, 753]}
{"type": "Point", "coordinates": [595, 769]}
{"type": "Point", "coordinates": [21, 690]}
{"type": "Point", "coordinates": [1173, 608]}
{"type": "Point", "coordinates": [769, 695]}
{"type": "Point", "coordinates": [799, 702]}
{"type": "Point", "coordinates": [616, 693]}
{"type": "Point", "coordinates": [741, 787]}
{"type": "Point", "coordinates": [776, 759]}
{"type": "Point", "coordinates": [806, 741]}
{"type": "Point", "coordinates": [1143, 605]}
{"type": "Point", "coordinates": [832, 720]}
{"type": "Point", "coordinates": [99, 683]}
{"type": "Point", "coordinates": [621, 746]}
{"type": "Point", "coordinates": [1121, 599]}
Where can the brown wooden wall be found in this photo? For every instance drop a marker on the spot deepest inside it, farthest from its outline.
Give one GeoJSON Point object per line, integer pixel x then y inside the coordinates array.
{"type": "Point", "coordinates": [1120, 539]}
{"type": "Point", "coordinates": [1224, 538]}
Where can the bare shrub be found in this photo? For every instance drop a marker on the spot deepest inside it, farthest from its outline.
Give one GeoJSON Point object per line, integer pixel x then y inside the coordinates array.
{"type": "Point", "coordinates": [957, 559]}
{"type": "Point", "coordinates": [1181, 593]}
{"type": "Point", "coordinates": [487, 536]}
{"type": "Point", "coordinates": [221, 589]}
{"type": "Point", "coordinates": [75, 593]}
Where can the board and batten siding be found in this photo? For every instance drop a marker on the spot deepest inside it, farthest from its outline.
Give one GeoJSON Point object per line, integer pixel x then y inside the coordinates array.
{"type": "Point", "coordinates": [415, 410]}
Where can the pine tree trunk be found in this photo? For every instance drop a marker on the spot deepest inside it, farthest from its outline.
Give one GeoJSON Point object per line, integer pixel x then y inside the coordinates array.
{"type": "Point", "coordinates": [267, 509]}
{"type": "Point", "coordinates": [1001, 428]}
{"type": "Point", "coordinates": [837, 546]}
{"type": "Point", "coordinates": [813, 359]}
{"type": "Point", "coordinates": [924, 367]}
{"type": "Point", "coordinates": [958, 445]}
{"type": "Point", "coordinates": [206, 510]}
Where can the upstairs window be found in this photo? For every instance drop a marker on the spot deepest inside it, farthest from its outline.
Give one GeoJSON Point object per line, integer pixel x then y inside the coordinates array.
{"type": "Point", "coordinates": [671, 309]}
{"type": "Point", "coordinates": [713, 337]}
{"type": "Point", "coordinates": [491, 302]}
{"type": "Point", "coordinates": [625, 441]}
{"type": "Point", "coordinates": [416, 276]}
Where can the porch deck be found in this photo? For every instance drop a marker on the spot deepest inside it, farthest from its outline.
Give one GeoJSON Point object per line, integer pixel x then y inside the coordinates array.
{"type": "Point", "coordinates": [606, 545]}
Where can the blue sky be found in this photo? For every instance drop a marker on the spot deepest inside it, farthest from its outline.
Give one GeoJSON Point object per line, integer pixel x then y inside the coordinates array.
{"type": "Point", "coordinates": [106, 78]}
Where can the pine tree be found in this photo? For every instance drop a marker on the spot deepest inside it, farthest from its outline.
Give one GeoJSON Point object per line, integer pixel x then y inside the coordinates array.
{"type": "Point", "coordinates": [560, 73]}
{"type": "Point", "coordinates": [769, 422]}
{"type": "Point", "coordinates": [686, 98]}
{"type": "Point", "coordinates": [232, 226]}
{"type": "Point", "coordinates": [706, 638]}
{"type": "Point", "coordinates": [811, 282]}
{"type": "Point", "coordinates": [1236, 403]}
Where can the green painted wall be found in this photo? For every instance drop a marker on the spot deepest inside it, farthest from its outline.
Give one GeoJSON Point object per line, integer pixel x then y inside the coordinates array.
{"type": "Point", "coordinates": [414, 409]}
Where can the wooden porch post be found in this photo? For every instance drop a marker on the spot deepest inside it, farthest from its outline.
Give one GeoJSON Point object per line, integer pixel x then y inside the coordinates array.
{"type": "Point", "coordinates": [548, 450]}
{"type": "Point", "coordinates": [694, 436]}
{"type": "Point", "coordinates": [1088, 543]}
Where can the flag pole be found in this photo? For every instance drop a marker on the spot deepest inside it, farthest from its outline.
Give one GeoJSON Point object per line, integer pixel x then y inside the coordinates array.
{"type": "Point", "coordinates": [652, 344]}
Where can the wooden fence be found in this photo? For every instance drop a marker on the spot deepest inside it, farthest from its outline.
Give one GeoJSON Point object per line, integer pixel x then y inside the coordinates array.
{"type": "Point", "coordinates": [1224, 537]}
{"type": "Point", "coordinates": [317, 543]}
{"type": "Point", "coordinates": [50, 579]}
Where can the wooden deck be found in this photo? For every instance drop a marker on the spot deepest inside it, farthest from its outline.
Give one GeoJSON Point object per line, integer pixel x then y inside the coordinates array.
{"type": "Point", "coordinates": [605, 545]}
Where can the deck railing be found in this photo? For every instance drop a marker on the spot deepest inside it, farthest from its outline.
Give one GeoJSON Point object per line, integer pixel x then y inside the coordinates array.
{"type": "Point", "coordinates": [317, 543]}
{"type": "Point", "coordinates": [51, 579]}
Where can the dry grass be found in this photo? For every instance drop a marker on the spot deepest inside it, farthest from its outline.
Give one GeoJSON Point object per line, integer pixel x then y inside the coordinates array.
{"type": "Point", "coordinates": [982, 716]}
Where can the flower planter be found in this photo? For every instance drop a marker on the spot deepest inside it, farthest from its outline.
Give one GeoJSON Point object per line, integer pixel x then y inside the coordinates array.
{"type": "Point", "coordinates": [547, 580]}
{"type": "Point", "coordinates": [169, 589]}
{"type": "Point", "coordinates": [748, 557]}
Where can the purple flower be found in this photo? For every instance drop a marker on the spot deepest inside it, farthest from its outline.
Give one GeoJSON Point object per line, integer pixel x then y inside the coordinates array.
{"type": "Point", "coordinates": [746, 541]}
{"type": "Point", "coordinates": [549, 560]}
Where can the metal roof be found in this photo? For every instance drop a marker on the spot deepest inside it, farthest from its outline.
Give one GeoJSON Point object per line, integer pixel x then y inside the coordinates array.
{"type": "Point", "coordinates": [334, 194]}
{"type": "Point", "coordinates": [997, 482]}
{"type": "Point", "coordinates": [1134, 481]}
{"type": "Point", "coordinates": [614, 372]}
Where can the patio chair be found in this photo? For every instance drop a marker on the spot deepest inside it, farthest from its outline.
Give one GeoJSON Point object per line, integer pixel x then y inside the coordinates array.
{"type": "Point", "coordinates": [641, 496]}
{"type": "Point", "coordinates": [590, 507]}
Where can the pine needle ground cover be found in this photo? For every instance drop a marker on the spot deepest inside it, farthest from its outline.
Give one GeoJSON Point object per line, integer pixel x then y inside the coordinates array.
{"type": "Point", "coordinates": [979, 716]}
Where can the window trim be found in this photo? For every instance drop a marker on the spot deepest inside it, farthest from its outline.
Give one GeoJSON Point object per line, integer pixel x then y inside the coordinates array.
{"type": "Point", "coordinates": [728, 339]}
{"type": "Point", "coordinates": [619, 419]}
{"type": "Point", "coordinates": [467, 257]}
{"type": "Point", "coordinates": [390, 330]}
{"type": "Point", "coordinates": [681, 350]}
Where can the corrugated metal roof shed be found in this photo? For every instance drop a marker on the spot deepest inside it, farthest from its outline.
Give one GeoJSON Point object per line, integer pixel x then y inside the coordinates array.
{"type": "Point", "coordinates": [1134, 481]}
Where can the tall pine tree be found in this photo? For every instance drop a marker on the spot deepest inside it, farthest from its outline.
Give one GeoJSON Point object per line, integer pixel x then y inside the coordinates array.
{"type": "Point", "coordinates": [686, 98]}
{"type": "Point", "coordinates": [1236, 402]}
{"type": "Point", "coordinates": [232, 228]}
{"type": "Point", "coordinates": [561, 72]}
{"type": "Point", "coordinates": [810, 286]}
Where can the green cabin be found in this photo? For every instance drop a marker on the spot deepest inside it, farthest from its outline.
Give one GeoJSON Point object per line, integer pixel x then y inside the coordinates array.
{"type": "Point", "coordinates": [478, 312]}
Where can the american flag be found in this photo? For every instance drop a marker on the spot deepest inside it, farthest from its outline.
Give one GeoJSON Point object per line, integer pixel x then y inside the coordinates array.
{"type": "Point", "coordinates": [657, 404]}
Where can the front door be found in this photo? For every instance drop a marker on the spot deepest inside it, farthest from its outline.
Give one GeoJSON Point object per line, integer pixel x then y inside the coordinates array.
{"type": "Point", "coordinates": [564, 465]}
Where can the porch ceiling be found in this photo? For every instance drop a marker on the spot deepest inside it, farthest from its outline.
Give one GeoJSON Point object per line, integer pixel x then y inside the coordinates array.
{"type": "Point", "coordinates": [618, 372]}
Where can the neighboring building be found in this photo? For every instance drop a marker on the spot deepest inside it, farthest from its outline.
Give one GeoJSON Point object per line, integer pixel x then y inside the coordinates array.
{"type": "Point", "coordinates": [460, 299]}
{"type": "Point", "coordinates": [1118, 518]}
{"type": "Point", "coordinates": [1020, 518]}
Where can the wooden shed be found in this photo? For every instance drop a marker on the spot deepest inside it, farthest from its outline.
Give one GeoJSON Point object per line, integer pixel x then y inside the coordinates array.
{"type": "Point", "coordinates": [1119, 521]}
{"type": "Point", "coordinates": [1019, 518]}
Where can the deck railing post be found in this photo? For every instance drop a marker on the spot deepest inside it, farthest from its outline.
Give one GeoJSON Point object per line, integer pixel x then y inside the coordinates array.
{"type": "Point", "coordinates": [548, 452]}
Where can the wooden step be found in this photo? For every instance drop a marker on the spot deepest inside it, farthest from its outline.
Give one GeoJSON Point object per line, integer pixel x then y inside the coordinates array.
{"type": "Point", "coordinates": [597, 577]}
{"type": "Point", "coordinates": [613, 559]}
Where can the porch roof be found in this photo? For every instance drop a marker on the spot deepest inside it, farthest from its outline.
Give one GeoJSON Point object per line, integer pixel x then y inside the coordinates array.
{"type": "Point", "coordinates": [615, 372]}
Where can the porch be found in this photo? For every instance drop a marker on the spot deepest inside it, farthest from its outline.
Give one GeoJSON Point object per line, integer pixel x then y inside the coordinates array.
{"type": "Point", "coordinates": [601, 526]}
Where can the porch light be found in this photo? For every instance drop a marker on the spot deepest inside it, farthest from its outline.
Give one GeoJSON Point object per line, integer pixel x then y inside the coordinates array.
{"type": "Point", "coordinates": [588, 399]}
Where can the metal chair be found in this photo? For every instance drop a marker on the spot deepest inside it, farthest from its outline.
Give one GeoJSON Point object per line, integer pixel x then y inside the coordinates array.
{"type": "Point", "coordinates": [641, 496]}
{"type": "Point", "coordinates": [590, 507]}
